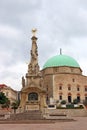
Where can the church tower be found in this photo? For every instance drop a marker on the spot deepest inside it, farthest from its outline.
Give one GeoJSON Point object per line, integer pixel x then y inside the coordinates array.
{"type": "Point", "coordinates": [33, 95]}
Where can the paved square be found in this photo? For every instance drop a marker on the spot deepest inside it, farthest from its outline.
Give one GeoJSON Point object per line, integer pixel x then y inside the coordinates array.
{"type": "Point", "coordinates": [79, 124]}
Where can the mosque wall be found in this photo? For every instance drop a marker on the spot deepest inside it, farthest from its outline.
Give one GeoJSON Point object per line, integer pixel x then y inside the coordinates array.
{"type": "Point", "coordinates": [70, 85]}
{"type": "Point", "coordinates": [48, 85]}
{"type": "Point", "coordinates": [65, 83]}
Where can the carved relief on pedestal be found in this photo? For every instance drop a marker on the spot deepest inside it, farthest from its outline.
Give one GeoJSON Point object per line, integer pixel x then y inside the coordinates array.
{"type": "Point", "coordinates": [32, 84]}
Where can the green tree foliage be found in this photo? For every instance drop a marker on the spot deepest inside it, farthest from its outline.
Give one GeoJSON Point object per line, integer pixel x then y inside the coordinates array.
{"type": "Point", "coordinates": [4, 101]}
{"type": "Point", "coordinates": [15, 105]}
{"type": "Point", "coordinates": [6, 104]}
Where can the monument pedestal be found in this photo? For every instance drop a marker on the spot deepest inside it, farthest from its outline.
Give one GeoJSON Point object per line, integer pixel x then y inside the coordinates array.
{"type": "Point", "coordinates": [33, 105]}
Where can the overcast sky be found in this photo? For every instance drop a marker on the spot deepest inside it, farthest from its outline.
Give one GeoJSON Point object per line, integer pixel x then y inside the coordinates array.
{"type": "Point", "coordinates": [60, 24]}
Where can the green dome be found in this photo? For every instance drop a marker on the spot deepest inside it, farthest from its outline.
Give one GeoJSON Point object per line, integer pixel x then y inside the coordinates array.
{"type": "Point", "coordinates": [61, 60]}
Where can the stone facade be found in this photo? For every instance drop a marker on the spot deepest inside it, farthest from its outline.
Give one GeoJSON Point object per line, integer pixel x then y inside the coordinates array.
{"type": "Point", "coordinates": [65, 83]}
{"type": "Point", "coordinates": [68, 112]}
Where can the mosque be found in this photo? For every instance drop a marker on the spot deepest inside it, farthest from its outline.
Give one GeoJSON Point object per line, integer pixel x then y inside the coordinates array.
{"type": "Point", "coordinates": [60, 79]}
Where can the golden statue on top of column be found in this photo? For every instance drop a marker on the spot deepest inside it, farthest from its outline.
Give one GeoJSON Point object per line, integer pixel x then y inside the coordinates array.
{"type": "Point", "coordinates": [34, 31]}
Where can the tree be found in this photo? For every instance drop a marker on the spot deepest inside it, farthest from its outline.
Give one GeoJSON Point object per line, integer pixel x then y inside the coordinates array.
{"type": "Point", "coordinates": [15, 105]}
{"type": "Point", "coordinates": [4, 101]}
{"type": "Point", "coordinates": [6, 104]}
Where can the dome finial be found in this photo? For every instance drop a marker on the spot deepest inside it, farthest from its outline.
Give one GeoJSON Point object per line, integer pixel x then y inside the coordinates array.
{"type": "Point", "coordinates": [60, 51]}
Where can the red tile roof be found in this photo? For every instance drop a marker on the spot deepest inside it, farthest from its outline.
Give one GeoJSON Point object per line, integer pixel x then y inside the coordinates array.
{"type": "Point", "coordinates": [3, 85]}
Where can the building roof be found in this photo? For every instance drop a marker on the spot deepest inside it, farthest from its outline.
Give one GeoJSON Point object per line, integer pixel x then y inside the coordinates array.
{"type": "Point", "coordinates": [3, 85]}
{"type": "Point", "coordinates": [61, 60]}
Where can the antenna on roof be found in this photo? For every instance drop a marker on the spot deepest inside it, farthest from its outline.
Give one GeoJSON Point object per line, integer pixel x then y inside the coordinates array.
{"type": "Point", "coordinates": [60, 51]}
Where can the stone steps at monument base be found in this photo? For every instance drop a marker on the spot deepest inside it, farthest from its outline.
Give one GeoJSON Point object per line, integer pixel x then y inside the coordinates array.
{"type": "Point", "coordinates": [30, 115]}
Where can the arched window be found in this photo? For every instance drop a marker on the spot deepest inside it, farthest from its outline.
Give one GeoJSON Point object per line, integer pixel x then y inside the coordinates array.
{"type": "Point", "coordinates": [69, 97]}
{"type": "Point", "coordinates": [60, 86]}
{"type": "Point", "coordinates": [78, 88]}
{"type": "Point", "coordinates": [86, 88]}
{"type": "Point", "coordinates": [60, 96]}
{"type": "Point", "coordinates": [85, 96]}
{"type": "Point", "coordinates": [32, 96]}
{"type": "Point", "coordinates": [78, 97]}
{"type": "Point", "coordinates": [69, 87]}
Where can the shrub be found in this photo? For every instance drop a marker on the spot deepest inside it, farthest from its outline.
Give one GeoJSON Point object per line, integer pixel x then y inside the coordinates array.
{"type": "Point", "coordinates": [75, 101]}
{"type": "Point", "coordinates": [63, 102]}
{"type": "Point", "coordinates": [70, 106]}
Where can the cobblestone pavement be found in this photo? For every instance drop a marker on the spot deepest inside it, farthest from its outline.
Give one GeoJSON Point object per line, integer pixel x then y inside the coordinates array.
{"type": "Point", "coordinates": [79, 124]}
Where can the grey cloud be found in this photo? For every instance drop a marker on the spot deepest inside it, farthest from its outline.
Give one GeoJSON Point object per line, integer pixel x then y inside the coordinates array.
{"type": "Point", "coordinates": [60, 24]}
